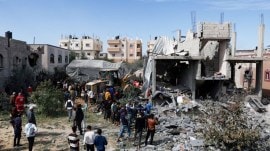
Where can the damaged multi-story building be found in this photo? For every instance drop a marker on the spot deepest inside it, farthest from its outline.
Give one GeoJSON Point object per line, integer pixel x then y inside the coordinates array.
{"type": "Point", "coordinates": [202, 64]}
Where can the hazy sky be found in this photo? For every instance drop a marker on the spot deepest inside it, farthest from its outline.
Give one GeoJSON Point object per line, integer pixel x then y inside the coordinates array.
{"type": "Point", "coordinates": [47, 20]}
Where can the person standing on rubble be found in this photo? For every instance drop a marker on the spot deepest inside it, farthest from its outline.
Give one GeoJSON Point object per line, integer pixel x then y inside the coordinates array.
{"type": "Point", "coordinates": [148, 108]}
{"type": "Point", "coordinates": [151, 128]}
{"type": "Point", "coordinates": [124, 124]}
{"type": "Point", "coordinates": [139, 126]}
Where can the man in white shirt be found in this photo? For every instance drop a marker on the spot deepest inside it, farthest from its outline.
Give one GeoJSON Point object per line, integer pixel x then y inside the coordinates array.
{"type": "Point", "coordinates": [91, 96]}
{"type": "Point", "coordinates": [89, 138]}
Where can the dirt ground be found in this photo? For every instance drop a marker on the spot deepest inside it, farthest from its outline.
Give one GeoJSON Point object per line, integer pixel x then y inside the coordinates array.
{"type": "Point", "coordinates": [52, 133]}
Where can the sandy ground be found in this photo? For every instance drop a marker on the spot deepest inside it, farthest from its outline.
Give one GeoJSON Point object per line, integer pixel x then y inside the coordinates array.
{"type": "Point", "coordinates": [48, 137]}
{"type": "Point", "coordinates": [52, 134]}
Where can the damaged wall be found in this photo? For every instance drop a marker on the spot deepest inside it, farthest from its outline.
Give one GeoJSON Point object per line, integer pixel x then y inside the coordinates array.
{"type": "Point", "coordinates": [214, 30]}
{"type": "Point", "coordinates": [241, 81]}
{"type": "Point", "coordinates": [190, 44]}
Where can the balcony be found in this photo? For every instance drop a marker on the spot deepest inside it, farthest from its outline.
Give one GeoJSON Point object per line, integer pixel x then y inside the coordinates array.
{"type": "Point", "coordinates": [113, 49]}
{"type": "Point", "coordinates": [114, 41]}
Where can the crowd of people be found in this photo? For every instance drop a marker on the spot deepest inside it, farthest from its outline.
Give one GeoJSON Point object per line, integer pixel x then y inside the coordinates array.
{"type": "Point", "coordinates": [132, 116]}
{"type": "Point", "coordinates": [18, 104]}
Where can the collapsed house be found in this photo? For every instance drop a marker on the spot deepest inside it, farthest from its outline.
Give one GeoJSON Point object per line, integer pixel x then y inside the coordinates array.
{"type": "Point", "coordinates": [89, 70]}
{"type": "Point", "coordinates": [202, 65]}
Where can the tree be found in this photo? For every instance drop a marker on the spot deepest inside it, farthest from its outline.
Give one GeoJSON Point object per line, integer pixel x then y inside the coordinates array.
{"type": "Point", "coordinates": [20, 80]}
{"type": "Point", "coordinates": [48, 98]}
{"type": "Point", "coordinates": [72, 56]}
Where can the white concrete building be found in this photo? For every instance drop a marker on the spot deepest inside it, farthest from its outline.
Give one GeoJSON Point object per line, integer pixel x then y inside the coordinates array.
{"type": "Point", "coordinates": [52, 56]}
{"type": "Point", "coordinates": [125, 49]}
{"type": "Point", "coordinates": [85, 47]}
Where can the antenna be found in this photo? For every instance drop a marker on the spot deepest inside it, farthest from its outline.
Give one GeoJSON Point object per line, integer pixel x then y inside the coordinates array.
{"type": "Point", "coordinates": [34, 40]}
{"type": "Point", "coordinates": [193, 21]}
{"type": "Point", "coordinates": [262, 19]}
{"type": "Point", "coordinates": [221, 17]}
{"type": "Point", "coordinates": [234, 27]}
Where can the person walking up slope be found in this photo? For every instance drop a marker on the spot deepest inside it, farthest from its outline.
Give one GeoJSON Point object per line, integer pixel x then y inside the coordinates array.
{"type": "Point", "coordinates": [89, 138]}
{"type": "Point", "coordinates": [69, 107]}
{"type": "Point", "coordinates": [73, 140]}
{"type": "Point", "coordinates": [31, 115]}
{"type": "Point", "coordinates": [100, 141]}
{"type": "Point", "coordinates": [79, 118]}
{"type": "Point", "coordinates": [30, 131]}
{"type": "Point", "coordinates": [17, 125]}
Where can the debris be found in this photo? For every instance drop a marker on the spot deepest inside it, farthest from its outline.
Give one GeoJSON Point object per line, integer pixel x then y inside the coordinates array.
{"type": "Point", "coordinates": [254, 102]}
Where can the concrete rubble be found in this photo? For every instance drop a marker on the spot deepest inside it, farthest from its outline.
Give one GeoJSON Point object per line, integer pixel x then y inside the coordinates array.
{"type": "Point", "coordinates": [182, 127]}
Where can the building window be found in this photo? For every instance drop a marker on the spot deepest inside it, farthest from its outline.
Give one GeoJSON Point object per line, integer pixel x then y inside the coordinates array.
{"type": "Point", "coordinates": [113, 55]}
{"type": "Point", "coordinates": [51, 58]}
{"type": "Point", "coordinates": [131, 45]}
{"type": "Point", "coordinates": [267, 75]}
{"type": "Point", "coordinates": [115, 46]}
{"type": "Point", "coordinates": [59, 58]}
{"type": "Point", "coordinates": [131, 55]}
{"type": "Point", "coordinates": [77, 45]}
{"type": "Point", "coordinates": [1, 61]}
{"type": "Point", "coordinates": [66, 59]}
{"type": "Point", "coordinates": [138, 53]}
{"type": "Point", "coordinates": [101, 55]}
{"type": "Point", "coordinates": [123, 45]}
{"type": "Point", "coordinates": [16, 60]}
{"type": "Point", "coordinates": [65, 44]}
{"type": "Point", "coordinates": [88, 54]}
{"type": "Point", "coordinates": [122, 55]}
{"type": "Point", "coordinates": [87, 45]}
{"type": "Point", "coordinates": [138, 45]}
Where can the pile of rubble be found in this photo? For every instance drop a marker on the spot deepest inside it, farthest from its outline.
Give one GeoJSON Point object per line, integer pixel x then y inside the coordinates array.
{"type": "Point", "coordinates": [211, 125]}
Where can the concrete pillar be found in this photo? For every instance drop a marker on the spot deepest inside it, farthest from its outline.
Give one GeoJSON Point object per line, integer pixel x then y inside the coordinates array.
{"type": "Point", "coordinates": [154, 76]}
{"type": "Point", "coordinates": [179, 35]}
{"type": "Point", "coordinates": [232, 72]}
{"type": "Point", "coordinates": [193, 79]}
{"type": "Point", "coordinates": [261, 41]}
{"type": "Point", "coordinates": [233, 43]}
{"type": "Point", "coordinates": [259, 76]}
{"type": "Point", "coordinates": [198, 70]}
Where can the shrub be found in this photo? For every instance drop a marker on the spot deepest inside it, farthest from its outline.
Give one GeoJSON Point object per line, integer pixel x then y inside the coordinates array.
{"type": "Point", "coordinates": [48, 98]}
{"type": "Point", "coordinates": [228, 128]}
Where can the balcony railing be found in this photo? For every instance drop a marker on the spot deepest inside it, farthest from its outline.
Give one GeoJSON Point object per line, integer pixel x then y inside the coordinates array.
{"type": "Point", "coordinates": [114, 49]}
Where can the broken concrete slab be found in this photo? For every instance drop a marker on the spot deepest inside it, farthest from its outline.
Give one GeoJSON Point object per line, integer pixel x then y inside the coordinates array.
{"type": "Point", "coordinates": [197, 142]}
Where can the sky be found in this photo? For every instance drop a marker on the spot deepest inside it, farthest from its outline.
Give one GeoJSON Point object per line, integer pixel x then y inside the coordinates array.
{"type": "Point", "coordinates": [45, 21]}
